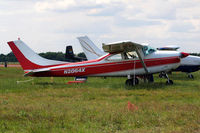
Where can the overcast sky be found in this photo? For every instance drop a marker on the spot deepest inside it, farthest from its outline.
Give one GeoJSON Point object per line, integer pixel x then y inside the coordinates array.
{"type": "Point", "coordinates": [50, 25]}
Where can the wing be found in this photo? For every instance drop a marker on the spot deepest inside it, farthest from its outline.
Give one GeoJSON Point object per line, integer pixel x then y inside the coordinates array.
{"type": "Point", "coordinates": [126, 46]}
{"type": "Point", "coordinates": [170, 47]}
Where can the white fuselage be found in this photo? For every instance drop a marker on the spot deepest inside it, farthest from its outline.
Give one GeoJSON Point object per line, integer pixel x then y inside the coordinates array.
{"type": "Point", "coordinates": [191, 60]}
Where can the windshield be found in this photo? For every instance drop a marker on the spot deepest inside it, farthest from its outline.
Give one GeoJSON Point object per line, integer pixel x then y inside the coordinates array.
{"type": "Point", "coordinates": [148, 50]}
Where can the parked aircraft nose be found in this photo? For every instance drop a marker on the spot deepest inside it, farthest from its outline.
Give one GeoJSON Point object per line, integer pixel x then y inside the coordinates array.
{"type": "Point", "coordinates": [183, 54]}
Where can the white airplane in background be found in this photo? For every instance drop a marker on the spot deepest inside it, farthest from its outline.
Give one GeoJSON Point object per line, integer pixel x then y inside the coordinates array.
{"type": "Point", "coordinates": [123, 59]}
{"type": "Point", "coordinates": [189, 64]}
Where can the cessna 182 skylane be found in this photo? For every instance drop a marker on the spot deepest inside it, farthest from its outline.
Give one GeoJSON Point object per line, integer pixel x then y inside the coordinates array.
{"type": "Point", "coordinates": [124, 58]}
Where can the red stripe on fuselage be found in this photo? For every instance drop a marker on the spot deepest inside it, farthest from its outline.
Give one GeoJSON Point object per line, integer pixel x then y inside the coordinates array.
{"type": "Point", "coordinates": [107, 67]}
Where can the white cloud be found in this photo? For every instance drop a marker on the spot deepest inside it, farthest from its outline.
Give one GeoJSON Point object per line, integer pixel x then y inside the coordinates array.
{"type": "Point", "coordinates": [48, 25]}
{"type": "Point", "coordinates": [123, 22]}
{"type": "Point", "coordinates": [181, 27]}
{"type": "Point", "coordinates": [55, 5]}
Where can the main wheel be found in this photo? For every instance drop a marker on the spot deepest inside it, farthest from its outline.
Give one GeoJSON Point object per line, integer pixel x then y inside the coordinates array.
{"type": "Point", "coordinates": [169, 82]}
{"type": "Point", "coordinates": [132, 82]}
{"type": "Point", "coordinates": [129, 82]}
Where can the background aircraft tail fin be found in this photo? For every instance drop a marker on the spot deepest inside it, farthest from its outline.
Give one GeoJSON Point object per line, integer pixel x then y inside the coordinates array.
{"type": "Point", "coordinates": [28, 59]}
{"type": "Point", "coordinates": [69, 53]}
{"type": "Point", "coordinates": [90, 49]}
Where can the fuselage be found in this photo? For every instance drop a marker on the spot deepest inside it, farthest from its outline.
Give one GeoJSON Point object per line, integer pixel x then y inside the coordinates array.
{"type": "Point", "coordinates": [106, 66]}
{"type": "Point", "coordinates": [140, 61]}
{"type": "Point", "coordinates": [189, 64]}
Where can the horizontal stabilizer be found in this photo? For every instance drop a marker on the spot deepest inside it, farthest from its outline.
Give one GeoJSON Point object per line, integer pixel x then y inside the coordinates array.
{"type": "Point", "coordinates": [30, 73]}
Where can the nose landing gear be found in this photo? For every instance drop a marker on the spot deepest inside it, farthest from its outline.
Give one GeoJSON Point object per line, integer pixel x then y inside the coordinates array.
{"type": "Point", "coordinates": [165, 75]}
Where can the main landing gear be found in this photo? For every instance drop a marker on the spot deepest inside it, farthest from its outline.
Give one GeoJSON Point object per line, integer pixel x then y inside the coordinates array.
{"type": "Point", "coordinates": [165, 75]}
{"type": "Point", "coordinates": [132, 81]}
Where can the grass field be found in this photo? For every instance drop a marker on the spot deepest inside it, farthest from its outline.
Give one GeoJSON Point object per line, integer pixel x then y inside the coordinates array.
{"type": "Point", "coordinates": [98, 106]}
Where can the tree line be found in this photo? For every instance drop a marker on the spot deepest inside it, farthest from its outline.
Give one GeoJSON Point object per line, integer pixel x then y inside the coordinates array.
{"type": "Point", "coordinates": [10, 57]}
{"type": "Point", "coordinates": [195, 54]}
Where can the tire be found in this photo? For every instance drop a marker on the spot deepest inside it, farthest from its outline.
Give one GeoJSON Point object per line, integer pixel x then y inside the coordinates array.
{"type": "Point", "coordinates": [129, 82]}
{"type": "Point", "coordinates": [132, 82]}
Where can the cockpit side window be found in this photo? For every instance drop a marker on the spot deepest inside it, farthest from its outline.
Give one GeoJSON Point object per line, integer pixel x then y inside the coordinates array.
{"type": "Point", "coordinates": [115, 57]}
{"type": "Point", "coordinates": [123, 56]}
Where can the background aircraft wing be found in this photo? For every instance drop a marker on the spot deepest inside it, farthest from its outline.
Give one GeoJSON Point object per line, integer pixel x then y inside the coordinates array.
{"type": "Point", "coordinates": [90, 49]}
{"type": "Point", "coordinates": [123, 46]}
{"type": "Point", "coordinates": [170, 47]}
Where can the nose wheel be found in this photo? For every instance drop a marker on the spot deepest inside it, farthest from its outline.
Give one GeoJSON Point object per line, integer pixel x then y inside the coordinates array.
{"type": "Point", "coordinates": [132, 82]}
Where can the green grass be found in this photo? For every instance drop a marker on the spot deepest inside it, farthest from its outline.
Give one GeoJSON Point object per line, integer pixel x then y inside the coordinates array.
{"type": "Point", "coordinates": [100, 105]}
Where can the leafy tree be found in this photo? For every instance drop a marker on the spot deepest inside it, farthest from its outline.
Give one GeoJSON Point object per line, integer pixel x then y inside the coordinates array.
{"type": "Point", "coordinates": [195, 54]}
{"type": "Point", "coordinates": [81, 55]}
{"type": "Point", "coordinates": [10, 57]}
{"type": "Point", "coordinates": [2, 58]}
{"type": "Point", "coordinates": [53, 55]}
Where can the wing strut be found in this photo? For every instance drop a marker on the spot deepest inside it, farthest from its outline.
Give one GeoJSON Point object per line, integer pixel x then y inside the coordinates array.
{"type": "Point", "coordinates": [142, 61]}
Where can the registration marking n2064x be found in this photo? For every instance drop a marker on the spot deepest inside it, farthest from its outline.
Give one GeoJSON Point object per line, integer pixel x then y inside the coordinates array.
{"type": "Point", "coordinates": [74, 70]}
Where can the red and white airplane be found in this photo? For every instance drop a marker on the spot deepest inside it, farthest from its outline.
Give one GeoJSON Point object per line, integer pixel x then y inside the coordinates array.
{"type": "Point", "coordinates": [123, 59]}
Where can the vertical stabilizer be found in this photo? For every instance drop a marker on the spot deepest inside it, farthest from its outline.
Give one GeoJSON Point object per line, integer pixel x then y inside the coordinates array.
{"type": "Point", "coordinates": [28, 59]}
